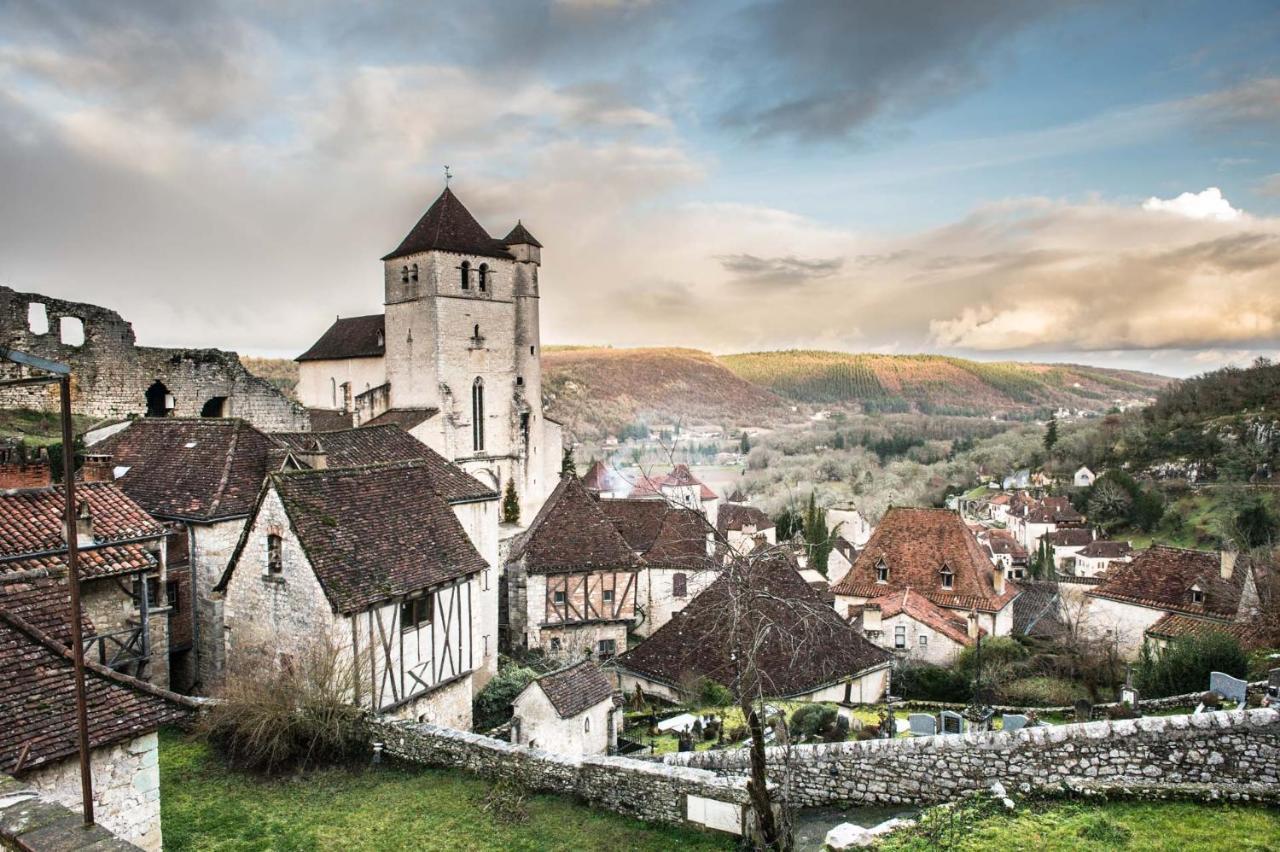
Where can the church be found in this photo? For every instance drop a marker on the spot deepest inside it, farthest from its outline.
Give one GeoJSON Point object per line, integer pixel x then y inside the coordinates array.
{"type": "Point", "coordinates": [454, 359]}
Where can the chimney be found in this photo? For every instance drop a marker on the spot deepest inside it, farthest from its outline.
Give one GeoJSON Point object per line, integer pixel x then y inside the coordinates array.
{"type": "Point", "coordinates": [314, 456]}
{"type": "Point", "coordinates": [973, 625]}
{"type": "Point", "coordinates": [22, 474]}
{"type": "Point", "coordinates": [1227, 563]}
{"type": "Point", "coordinates": [97, 468]}
{"type": "Point", "coordinates": [871, 618]}
{"type": "Point", "coordinates": [84, 525]}
{"type": "Point", "coordinates": [998, 580]}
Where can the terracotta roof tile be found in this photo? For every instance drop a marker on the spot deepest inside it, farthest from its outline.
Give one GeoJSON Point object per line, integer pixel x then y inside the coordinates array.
{"type": "Point", "coordinates": [42, 599]}
{"type": "Point", "coordinates": [350, 337]}
{"type": "Point", "coordinates": [923, 610]}
{"type": "Point", "coordinates": [1161, 577]}
{"type": "Point", "coordinates": [735, 516]}
{"type": "Point", "coordinates": [1102, 549]}
{"type": "Point", "coordinates": [1069, 537]}
{"type": "Point", "coordinates": [1176, 626]}
{"type": "Point", "coordinates": [576, 688]}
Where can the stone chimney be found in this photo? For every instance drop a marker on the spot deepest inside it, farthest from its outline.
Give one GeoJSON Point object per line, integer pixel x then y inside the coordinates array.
{"type": "Point", "coordinates": [314, 456]}
{"type": "Point", "coordinates": [972, 625]}
{"type": "Point", "coordinates": [84, 525]}
{"type": "Point", "coordinates": [998, 580]}
{"type": "Point", "coordinates": [97, 468]}
{"type": "Point", "coordinates": [871, 618]}
{"type": "Point", "coordinates": [1227, 563]}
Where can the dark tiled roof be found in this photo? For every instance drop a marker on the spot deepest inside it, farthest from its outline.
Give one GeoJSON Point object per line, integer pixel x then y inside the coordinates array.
{"type": "Point", "coordinates": [803, 643]}
{"type": "Point", "coordinates": [350, 337]}
{"type": "Point", "coordinates": [370, 445]}
{"type": "Point", "coordinates": [1161, 577]}
{"type": "Point", "coordinates": [735, 516]}
{"type": "Point", "coordinates": [405, 418]}
{"type": "Point", "coordinates": [921, 609]}
{"type": "Point", "coordinates": [682, 541]}
{"type": "Point", "coordinates": [37, 699]}
{"type": "Point", "coordinates": [42, 599]}
{"type": "Point", "coordinates": [448, 226]}
{"type": "Point", "coordinates": [571, 533]}
{"type": "Point", "coordinates": [1037, 610]}
{"type": "Point", "coordinates": [915, 544]}
{"type": "Point", "coordinates": [1101, 549]}
{"type": "Point", "coordinates": [520, 236]}
{"type": "Point", "coordinates": [324, 420]}
{"type": "Point", "coordinates": [372, 534]}
{"type": "Point", "coordinates": [1005, 544]}
{"type": "Point", "coordinates": [1177, 626]}
{"type": "Point", "coordinates": [1069, 537]}
{"type": "Point", "coordinates": [195, 469]}
{"type": "Point", "coordinates": [639, 521]}
{"type": "Point", "coordinates": [576, 688]}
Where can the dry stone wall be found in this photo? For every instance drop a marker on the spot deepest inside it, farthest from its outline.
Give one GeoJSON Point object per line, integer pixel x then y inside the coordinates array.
{"type": "Point", "coordinates": [1231, 755]}
{"type": "Point", "coordinates": [111, 374]}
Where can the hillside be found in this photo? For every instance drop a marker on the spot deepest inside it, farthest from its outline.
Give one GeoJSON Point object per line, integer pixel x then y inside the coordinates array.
{"type": "Point", "coordinates": [938, 383]}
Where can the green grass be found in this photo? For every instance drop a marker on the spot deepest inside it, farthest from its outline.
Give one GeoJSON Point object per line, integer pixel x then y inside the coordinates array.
{"type": "Point", "coordinates": [37, 428]}
{"type": "Point", "coordinates": [205, 806]}
{"type": "Point", "coordinates": [1071, 826]}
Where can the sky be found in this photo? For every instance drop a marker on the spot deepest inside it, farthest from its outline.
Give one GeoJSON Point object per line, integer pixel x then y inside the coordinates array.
{"type": "Point", "coordinates": [1094, 182]}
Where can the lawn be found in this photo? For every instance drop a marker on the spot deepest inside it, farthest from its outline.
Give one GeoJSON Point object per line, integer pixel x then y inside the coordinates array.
{"type": "Point", "coordinates": [1070, 826]}
{"type": "Point", "coordinates": [205, 806]}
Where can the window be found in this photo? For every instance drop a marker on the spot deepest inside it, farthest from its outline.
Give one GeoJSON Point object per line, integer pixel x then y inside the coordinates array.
{"type": "Point", "coordinates": [465, 268]}
{"type": "Point", "coordinates": [172, 596]}
{"type": "Point", "coordinates": [71, 331]}
{"type": "Point", "coordinates": [679, 586]}
{"type": "Point", "coordinates": [333, 392]}
{"type": "Point", "coordinates": [900, 636]}
{"type": "Point", "coordinates": [477, 415]}
{"type": "Point", "coordinates": [1197, 596]}
{"type": "Point", "coordinates": [37, 318]}
{"type": "Point", "coordinates": [555, 646]}
{"type": "Point", "coordinates": [275, 556]}
{"type": "Point", "coordinates": [477, 341]}
{"type": "Point", "coordinates": [607, 595]}
{"type": "Point", "coordinates": [416, 612]}
{"type": "Point", "coordinates": [558, 597]}
{"type": "Point", "coordinates": [586, 725]}
{"type": "Point", "coordinates": [482, 277]}
{"type": "Point", "coordinates": [882, 573]}
{"type": "Point", "coordinates": [524, 427]}
{"type": "Point", "coordinates": [404, 275]}
{"type": "Point", "coordinates": [948, 579]}
{"type": "Point", "coordinates": [530, 350]}
{"type": "Point", "coordinates": [606, 648]}
{"type": "Point", "coordinates": [519, 381]}
{"type": "Point", "coordinates": [413, 273]}
{"type": "Point", "coordinates": [382, 340]}
{"type": "Point", "coordinates": [924, 641]}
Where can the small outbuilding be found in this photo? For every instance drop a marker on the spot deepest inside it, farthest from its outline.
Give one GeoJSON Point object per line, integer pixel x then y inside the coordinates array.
{"type": "Point", "coordinates": [568, 711]}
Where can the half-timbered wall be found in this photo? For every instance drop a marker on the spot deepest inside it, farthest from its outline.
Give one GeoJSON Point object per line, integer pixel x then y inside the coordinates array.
{"type": "Point", "coordinates": [480, 520]}
{"type": "Point", "coordinates": [587, 597]}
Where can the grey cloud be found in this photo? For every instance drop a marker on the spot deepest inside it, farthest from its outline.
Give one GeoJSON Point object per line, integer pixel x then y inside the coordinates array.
{"type": "Point", "coordinates": [1269, 185]}
{"type": "Point", "coordinates": [788, 271]}
{"type": "Point", "coordinates": [1251, 103]}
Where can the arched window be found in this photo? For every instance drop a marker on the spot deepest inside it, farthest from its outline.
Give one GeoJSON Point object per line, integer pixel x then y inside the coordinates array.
{"type": "Point", "coordinates": [413, 273]}
{"type": "Point", "coordinates": [333, 391]}
{"type": "Point", "coordinates": [477, 415]}
{"type": "Point", "coordinates": [679, 585]}
{"type": "Point", "coordinates": [882, 572]}
{"type": "Point", "coordinates": [159, 400]}
{"type": "Point", "coordinates": [275, 556]}
{"type": "Point", "coordinates": [586, 725]}
{"type": "Point", "coordinates": [404, 275]}
{"type": "Point", "coordinates": [483, 277]}
{"type": "Point", "coordinates": [466, 274]}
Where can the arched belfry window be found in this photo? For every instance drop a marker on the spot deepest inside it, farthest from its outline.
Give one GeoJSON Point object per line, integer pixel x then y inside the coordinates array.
{"type": "Point", "coordinates": [483, 277]}
{"type": "Point", "coordinates": [466, 274]}
{"type": "Point", "coordinates": [477, 415]}
{"type": "Point", "coordinates": [413, 273]}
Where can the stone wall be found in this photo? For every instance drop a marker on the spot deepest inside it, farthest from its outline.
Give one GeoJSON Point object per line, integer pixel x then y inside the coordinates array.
{"type": "Point", "coordinates": [111, 374]}
{"type": "Point", "coordinates": [29, 820]}
{"type": "Point", "coordinates": [1232, 755]}
{"type": "Point", "coordinates": [643, 790]}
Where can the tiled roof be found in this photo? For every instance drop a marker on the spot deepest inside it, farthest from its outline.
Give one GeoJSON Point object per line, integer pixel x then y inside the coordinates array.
{"type": "Point", "coordinates": [576, 688]}
{"type": "Point", "coordinates": [405, 418]}
{"type": "Point", "coordinates": [1053, 510]}
{"type": "Point", "coordinates": [194, 469]}
{"type": "Point", "coordinates": [448, 226]}
{"type": "Point", "coordinates": [1161, 577]}
{"type": "Point", "coordinates": [915, 544]}
{"type": "Point", "coordinates": [682, 541]}
{"type": "Point", "coordinates": [921, 609]}
{"type": "Point", "coordinates": [1102, 549]}
{"type": "Point", "coordinates": [324, 420]}
{"type": "Point", "coordinates": [372, 534]}
{"type": "Point", "coordinates": [572, 533]}
{"type": "Point", "coordinates": [350, 337]}
{"type": "Point", "coordinates": [371, 445]}
{"type": "Point", "coordinates": [103, 561]}
{"type": "Point", "coordinates": [803, 644]}
{"type": "Point", "coordinates": [1177, 626]}
{"type": "Point", "coordinates": [1037, 610]}
{"type": "Point", "coordinates": [1069, 537]}
{"type": "Point", "coordinates": [679, 477]}
{"type": "Point", "coordinates": [37, 699]}
{"type": "Point", "coordinates": [602, 477]}
{"type": "Point", "coordinates": [42, 599]}
{"type": "Point", "coordinates": [735, 516]}
{"type": "Point", "coordinates": [639, 521]}
{"type": "Point", "coordinates": [1005, 544]}
{"type": "Point", "coordinates": [520, 236]}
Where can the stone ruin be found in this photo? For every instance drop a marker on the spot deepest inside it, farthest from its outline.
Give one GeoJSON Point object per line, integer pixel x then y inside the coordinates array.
{"type": "Point", "coordinates": [114, 378]}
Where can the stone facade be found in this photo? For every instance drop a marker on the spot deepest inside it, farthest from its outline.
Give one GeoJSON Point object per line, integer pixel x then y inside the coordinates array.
{"type": "Point", "coordinates": [113, 377]}
{"type": "Point", "coordinates": [1233, 755]}
{"type": "Point", "coordinates": [657, 587]}
{"type": "Point", "coordinates": [641, 789]}
{"type": "Point", "coordinates": [211, 548]}
{"type": "Point", "coordinates": [30, 820]}
{"type": "Point", "coordinates": [536, 723]}
{"type": "Point", "coordinates": [126, 789]}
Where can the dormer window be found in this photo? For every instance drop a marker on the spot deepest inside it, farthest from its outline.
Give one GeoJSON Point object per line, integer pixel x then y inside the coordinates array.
{"type": "Point", "coordinates": [382, 339]}
{"type": "Point", "coordinates": [465, 269]}
{"type": "Point", "coordinates": [882, 572]}
{"type": "Point", "coordinates": [948, 578]}
{"type": "Point", "coordinates": [1197, 595]}
{"type": "Point", "coordinates": [482, 279]}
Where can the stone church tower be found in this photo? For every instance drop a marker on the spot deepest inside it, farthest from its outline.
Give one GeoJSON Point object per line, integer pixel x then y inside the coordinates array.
{"type": "Point", "coordinates": [456, 358]}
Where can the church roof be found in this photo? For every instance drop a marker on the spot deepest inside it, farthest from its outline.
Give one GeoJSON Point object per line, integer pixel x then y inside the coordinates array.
{"type": "Point", "coordinates": [350, 337]}
{"type": "Point", "coordinates": [520, 236]}
{"type": "Point", "coordinates": [448, 226]}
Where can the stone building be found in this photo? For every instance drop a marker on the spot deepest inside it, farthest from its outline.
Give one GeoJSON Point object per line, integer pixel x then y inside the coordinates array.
{"type": "Point", "coordinates": [38, 739]}
{"type": "Point", "coordinates": [124, 588]}
{"type": "Point", "coordinates": [372, 565]}
{"type": "Point", "coordinates": [1099, 555]}
{"type": "Point", "coordinates": [455, 359]}
{"type": "Point", "coordinates": [568, 711]}
{"type": "Point", "coordinates": [932, 552]}
{"type": "Point", "coordinates": [914, 628]}
{"type": "Point", "coordinates": [679, 487]}
{"type": "Point", "coordinates": [742, 527]}
{"type": "Point", "coordinates": [113, 377]}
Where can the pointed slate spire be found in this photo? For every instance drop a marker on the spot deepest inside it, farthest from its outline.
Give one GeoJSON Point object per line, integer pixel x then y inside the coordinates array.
{"type": "Point", "coordinates": [449, 226]}
{"type": "Point", "coordinates": [520, 236]}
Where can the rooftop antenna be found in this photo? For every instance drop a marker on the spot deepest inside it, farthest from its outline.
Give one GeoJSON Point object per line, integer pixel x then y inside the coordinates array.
{"type": "Point", "coordinates": [447, 175]}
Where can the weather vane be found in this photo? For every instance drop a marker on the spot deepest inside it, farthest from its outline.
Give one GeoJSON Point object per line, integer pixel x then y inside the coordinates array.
{"type": "Point", "coordinates": [447, 175]}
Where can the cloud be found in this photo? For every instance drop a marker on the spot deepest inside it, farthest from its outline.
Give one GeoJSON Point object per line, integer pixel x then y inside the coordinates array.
{"type": "Point", "coordinates": [1208, 204]}
{"type": "Point", "coordinates": [1269, 185]}
{"type": "Point", "coordinates": [789, 271]}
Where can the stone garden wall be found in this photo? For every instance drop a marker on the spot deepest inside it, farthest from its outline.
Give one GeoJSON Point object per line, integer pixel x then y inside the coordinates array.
{"type": "Point", "coordinates": [1232, 755]}
{"type": "Point", "coordinates": [30, 820]}
{"type": "Point", "coordinates": [648, 791]}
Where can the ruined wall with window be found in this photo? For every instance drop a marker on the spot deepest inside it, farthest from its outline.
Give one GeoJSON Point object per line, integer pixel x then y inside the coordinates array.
{"type": "Point", "coordinates": [114, 377]}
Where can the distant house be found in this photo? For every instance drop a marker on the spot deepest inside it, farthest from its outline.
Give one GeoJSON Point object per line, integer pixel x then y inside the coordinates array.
{"type": "Point", "coordinates": [742, 527]}
{"type": "Point", "coordinates": [932, 552]}
{"type": "Point", "coordinates": [1100, 555]}
{"type": "Point", "coordinates": [1029, 521]}
{"type": "Point", "coordinates": [38, 739]}
{"type": "Point", "coordinates": [568, 711]}
{"type": "Point", "coordinates": [603, 480]}
{"type": "Point", "coordinates": [1083, 477]}
{"type": "Point", "coordinates": [679, 486]}
{"type": "Point", "coordinates": [850, 524]}
{"type": "Point", "coordinates": [913, 627]}
{"type": "Point", "coordinates": [374, 562]}
{"type": "Point", "coordinates": [1216, 589]}
{"type": "Point", "coordinates": [840, 560]}
{"type": "Point", "coordinates": [1006, 553]}
{"type": "Point", "coordinates": [785, 614]}
{"type": "Point", "coordinates": [1067, 544]}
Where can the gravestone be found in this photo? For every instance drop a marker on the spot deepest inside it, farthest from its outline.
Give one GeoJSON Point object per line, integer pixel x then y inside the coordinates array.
{"type": "Point", "coordinates": [1014, 721]}
{"type": "Point", "coordinates": [952, 722]}
{"type": "Point", "coordinates": [1084, 710]}
{"type": "Point", "coordinates": [922, 724]}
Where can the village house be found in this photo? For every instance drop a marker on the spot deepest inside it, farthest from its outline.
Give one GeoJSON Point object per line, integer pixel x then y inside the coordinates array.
{"type": "Point", "coordinates": [38, 740]}
{"type": "Point", "coordinates": [124, 588]}
{"type": "Point", "coordinates": [850, 524]}
{"type": "Point", "coordinates": [571, 578]}
{"type": "Point", "coordinates": [1065, 545]}
{"type": "Point", "coordinates": [914, 628]}
{"type": "Point", "coordinates": [1099, 555]}
{"type": "Point", "coordinates": [568, 711]}
{"type": "Point", "coordinates": [373, 561]}
{"type": "Point", "coordinates": [742, 527]}
{"type": "Point", "coordinates": [1005, 552]}
{"type": "Point", "coordinates": [1083, 477]}
{"type": "Point", "coordinates": [680, 487]}
{"type": "Point", "coordinates": [840, 559]}
{"type": "Point", "coordinates": [604, 481]}
{"type": "Point", "coordinates": [1164, 588]}
{"type": "Point", "coordinates": [1030, 520]}
{"type": "Point", "coordinates": [932, 552]}
{"type": "Point", "coordinates": [784, 615]}
{"type": "Point", "coordinates": [455, 358]}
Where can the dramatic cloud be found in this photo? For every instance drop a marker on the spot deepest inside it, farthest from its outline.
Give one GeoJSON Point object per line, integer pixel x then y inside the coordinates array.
{"type": "Point", "coordinates": [1208, 204]}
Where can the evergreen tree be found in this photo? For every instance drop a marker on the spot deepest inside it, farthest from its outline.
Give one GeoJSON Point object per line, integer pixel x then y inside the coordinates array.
{"type": "Point", "coordinates": [510, 504]}
{"type": "Point", "coordinates": [567, 465]}
{"type": "Point", "coordinates": [744, 446]}
{"type": "Point", "coordinates": [838, 443]}
{"type": "Point", "coordinates": [1051, 433]}
{"type": "Point", "coordinates": [818, 538]}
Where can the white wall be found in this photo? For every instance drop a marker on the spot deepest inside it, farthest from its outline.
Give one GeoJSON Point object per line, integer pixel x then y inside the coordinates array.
{"type": "Point", "coordinates": [656, 596]}
{"type": "Point", "coordinates": [939, 649]}
{"type": "Point", "coordinates": [317, 379]}
{"type": "Point", "coordinates": [540, 726]}
{"type": "Point", "coordinates": [1127, 623]}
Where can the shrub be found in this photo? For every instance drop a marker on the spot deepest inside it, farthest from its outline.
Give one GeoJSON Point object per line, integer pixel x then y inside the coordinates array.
{"type": "Point", "coordinates": [1099, 829]}
{"type": "Point", "coordinates": [1002, 661]}
{"type": "Point", "coordinates": [712, 694]}
{"type": "Point", "coordinates": [296, 715]}
{"type": "Point", "coordinates": [507, 801]}
{"type": "Point", "coordinates": [838, 732]}
{"type": "Point", "coordinates": [1184, 665]}
{"type": "Point", "coordinates": [492, 706]}
{"type": "Point", "coordinates": [926, 682]}
{"type": "Point", "coordinates": [810, 720]}
{"type": "Point", "coordinates": [1042, 691]}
